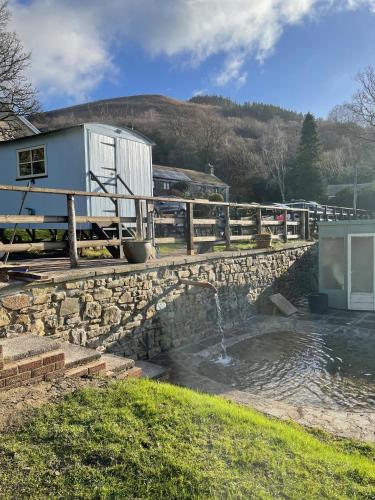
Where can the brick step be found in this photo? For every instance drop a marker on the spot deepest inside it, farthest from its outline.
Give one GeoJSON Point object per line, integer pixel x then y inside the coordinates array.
{"type": "Point", "coordinates": [92, 368]}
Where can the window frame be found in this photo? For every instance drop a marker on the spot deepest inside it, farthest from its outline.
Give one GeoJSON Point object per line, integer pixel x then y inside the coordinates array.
{"type": "Point", "coordinates": [31, 176]}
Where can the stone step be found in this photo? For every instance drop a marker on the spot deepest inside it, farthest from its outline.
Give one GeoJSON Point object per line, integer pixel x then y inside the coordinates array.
{"type": "Point", "coordinates": [92, 368]}
{"type": "Point", "coordinates": [117, 364]}
{"type": "Point", "coordinates": [153, 371]}
{"type": "Point", "coordinates": [76, 355]}
{"type": "Point", "coordinates": [27, 346]}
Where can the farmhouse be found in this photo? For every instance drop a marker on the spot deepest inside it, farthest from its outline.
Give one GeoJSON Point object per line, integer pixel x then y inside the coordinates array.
{"type": "Point", "coordinates": [201, 184]}
{"type": "Point", "coordinates": [86, 157]}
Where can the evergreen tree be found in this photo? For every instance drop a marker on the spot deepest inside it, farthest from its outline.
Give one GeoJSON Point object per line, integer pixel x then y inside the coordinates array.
{"type": "Point", "coordinates": [306, 179]}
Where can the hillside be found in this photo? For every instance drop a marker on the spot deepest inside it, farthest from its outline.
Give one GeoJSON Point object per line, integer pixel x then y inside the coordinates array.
{"type": "Point", "coordinates": [229, 135]}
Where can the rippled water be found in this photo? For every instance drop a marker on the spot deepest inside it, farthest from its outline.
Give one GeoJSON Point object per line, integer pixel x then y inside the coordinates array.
{"type": "Point", "coordinates": [335, 370]}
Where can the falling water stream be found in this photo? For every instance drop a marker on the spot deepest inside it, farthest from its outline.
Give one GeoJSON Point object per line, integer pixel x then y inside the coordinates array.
{"type": "Point", "coordinates": [223, 359]}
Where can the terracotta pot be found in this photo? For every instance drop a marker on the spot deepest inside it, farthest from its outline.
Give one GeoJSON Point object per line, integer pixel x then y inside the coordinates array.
{"type": "Point", "coordinates": [263, 240]}
{"type": "Point", "coordinates": [138, 251]}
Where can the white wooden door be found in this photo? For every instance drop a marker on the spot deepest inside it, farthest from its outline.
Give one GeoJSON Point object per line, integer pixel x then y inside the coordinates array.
{"type": "Point", "coordinates": [361, 264]}
{"type": "Point", "coordinates": [103, 166]}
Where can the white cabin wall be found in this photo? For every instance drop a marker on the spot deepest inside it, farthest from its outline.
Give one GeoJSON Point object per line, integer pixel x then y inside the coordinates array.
{"type": "Point", "coordinates": [65, 154]}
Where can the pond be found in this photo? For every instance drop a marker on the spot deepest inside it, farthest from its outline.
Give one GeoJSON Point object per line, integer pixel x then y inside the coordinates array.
{"type": "Point", "coordinates": [331, 368]}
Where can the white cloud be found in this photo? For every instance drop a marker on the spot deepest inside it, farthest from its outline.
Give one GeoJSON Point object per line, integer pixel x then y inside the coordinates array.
{"type": "Point", "coordinates": [72, 42]}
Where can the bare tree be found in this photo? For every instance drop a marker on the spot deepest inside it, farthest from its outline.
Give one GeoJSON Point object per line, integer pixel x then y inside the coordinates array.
{"type": "Point", "coordinates": [17, 96]}
{"type": "Point", "coordinates": [362, 106]}
{"type": "Point", "coordinates": [274, 148]}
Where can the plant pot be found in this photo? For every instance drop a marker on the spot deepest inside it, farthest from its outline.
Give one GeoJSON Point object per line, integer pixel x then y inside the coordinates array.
{"type": "Point", "coordinates": [263, 240]}
{"type": "Point", "coordinates": [138, 251]}
{"type": "Point", "coordinates": [318, 303]}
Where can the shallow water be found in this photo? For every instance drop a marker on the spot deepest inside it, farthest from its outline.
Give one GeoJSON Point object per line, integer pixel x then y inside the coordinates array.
{"type": "Point", "coordinates": [334, 370]}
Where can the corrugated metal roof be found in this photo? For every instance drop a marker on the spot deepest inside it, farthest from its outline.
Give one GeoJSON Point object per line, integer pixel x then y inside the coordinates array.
{"type": "Point", "coordinates": [183, 174]}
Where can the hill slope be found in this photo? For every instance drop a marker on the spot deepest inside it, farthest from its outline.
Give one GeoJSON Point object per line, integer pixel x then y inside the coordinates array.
{"type": "Point", "coordinates": [213, 129]}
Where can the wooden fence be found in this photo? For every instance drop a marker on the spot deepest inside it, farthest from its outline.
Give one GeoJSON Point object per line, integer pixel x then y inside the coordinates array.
{"type": "Point", "coordinates": [203, 222]}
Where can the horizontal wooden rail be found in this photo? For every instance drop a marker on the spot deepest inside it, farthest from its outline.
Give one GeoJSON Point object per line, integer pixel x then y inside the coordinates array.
{"type": "Point", "coordinates": [56, 245]}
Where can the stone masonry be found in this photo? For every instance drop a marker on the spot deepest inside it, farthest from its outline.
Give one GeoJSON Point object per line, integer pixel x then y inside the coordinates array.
{"type": "Point", "coordinates": [141, 310]}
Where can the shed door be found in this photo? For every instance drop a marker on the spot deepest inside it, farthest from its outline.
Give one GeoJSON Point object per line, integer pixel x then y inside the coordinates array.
{"type": "Point", "coordinates": [361, 272]}
{"type": "Point", "coordinates": [103, 165]}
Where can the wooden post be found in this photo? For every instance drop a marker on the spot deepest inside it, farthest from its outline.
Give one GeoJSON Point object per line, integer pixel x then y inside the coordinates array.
{"type": "Point", "coordinates": [227, 226]}
{"type": "Point", "coordinates": [190, 228]}
{"type": "Point", "coordinates": [286, 225]}
{"type": "Point", "coordinates": [307, 225]}
{"type": "Point", "coordinates": [139, 219]}
{"type": "Point", "coordinates": [150, 221]}
{"type": "Point", "coordinates": [334, 213]}
{"type": "Point", "coordinates": [259, 220]}
{"type": "Point", "coordinates": [325, 216]}
{"type": "Point", "coordinates": [72, 231]}
{"type": "Point", "coordinates": [341, 213]}
{"type": "Point", "coordinates": [302, 228]}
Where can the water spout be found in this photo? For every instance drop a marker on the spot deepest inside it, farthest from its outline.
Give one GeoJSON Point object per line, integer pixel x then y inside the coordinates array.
{"type": "Point", "coordinates": [224, 358]}
{"type": "Point", "coordinates": [202, 284]}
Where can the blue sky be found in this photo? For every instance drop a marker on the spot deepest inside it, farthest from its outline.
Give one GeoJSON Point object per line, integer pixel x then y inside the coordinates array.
{"type": "Point", "coordinates": [299, 54]}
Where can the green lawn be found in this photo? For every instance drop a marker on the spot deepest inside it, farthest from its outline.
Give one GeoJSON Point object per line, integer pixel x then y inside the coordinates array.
{"type": "Point", "coordinates": [142, 439]}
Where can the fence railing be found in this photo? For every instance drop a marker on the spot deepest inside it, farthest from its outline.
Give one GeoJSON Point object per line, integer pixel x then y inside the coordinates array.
{"type": "Point", "coordinates": [201, 222]}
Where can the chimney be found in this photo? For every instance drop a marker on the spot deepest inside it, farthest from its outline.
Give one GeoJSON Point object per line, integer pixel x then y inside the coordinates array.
{"type": "Point", "coordinates": [211, 169]}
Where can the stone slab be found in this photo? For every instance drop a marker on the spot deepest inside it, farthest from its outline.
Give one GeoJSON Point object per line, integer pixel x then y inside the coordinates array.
{"type": "Point", "coordinates": [152, 370]}
{"type": "Point", "coordinates": [26, 346]}
{"type": "Point", "coordinates": [78, 356]}
{"type": "Point", "coordinates": [117, 364]}
{"type": "Point", "coordinates": [283, 304]}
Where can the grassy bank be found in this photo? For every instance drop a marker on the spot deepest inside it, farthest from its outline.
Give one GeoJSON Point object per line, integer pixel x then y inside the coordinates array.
{"type": "Point", "coordinates": [148, 440]}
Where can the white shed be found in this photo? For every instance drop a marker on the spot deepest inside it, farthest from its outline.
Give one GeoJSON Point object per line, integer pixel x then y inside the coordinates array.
{"type": "Point", "coordinates": [86, 157]}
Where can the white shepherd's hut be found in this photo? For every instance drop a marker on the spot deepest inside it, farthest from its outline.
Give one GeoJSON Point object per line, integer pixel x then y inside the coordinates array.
{"type": "Point", "coordinates": [86, 157]}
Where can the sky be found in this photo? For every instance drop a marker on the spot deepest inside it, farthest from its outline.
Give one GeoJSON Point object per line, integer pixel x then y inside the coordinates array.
{"type": "Point", "coordinates": [298, 54]}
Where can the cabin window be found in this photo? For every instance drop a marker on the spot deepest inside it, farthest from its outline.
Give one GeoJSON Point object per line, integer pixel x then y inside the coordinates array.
{"type": "Point", "coordinates": [166, 186]}
{"type": "Point", "coordinates": [31, 162]}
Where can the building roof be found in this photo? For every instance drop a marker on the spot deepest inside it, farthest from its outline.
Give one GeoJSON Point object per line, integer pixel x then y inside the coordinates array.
{"type": "Point", "coordinates": [183, 174]}
{"type": "Point", "coordinates": [130, 134]}
{"type": "Point", "coordinates": [334, 189]}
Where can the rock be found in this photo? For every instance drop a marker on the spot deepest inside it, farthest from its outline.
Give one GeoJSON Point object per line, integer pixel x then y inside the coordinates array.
{"type": "Point", "coordinates": [78, 336]}
{"type": "Point", "coordinates": [126, 297]}
{"type": "Point", "coordinates": [111, 316]}
{"type": "Point", "coordinates": [37, 328]}
{"type": "Point", "coordinates": [102, 293]}
{"type": "Point", "coordinates": [4, 317]}
{"type": "Point", "coordinates": [93, 310]}
{"type": "Point", "coordinates": [16, 302]}
{"type": "Point", "coordinates": [69, 306]}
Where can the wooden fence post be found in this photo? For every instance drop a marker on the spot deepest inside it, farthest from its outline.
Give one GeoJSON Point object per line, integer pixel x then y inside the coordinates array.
{"type": "Point", "coordinates": [150, 221]}
{"type": "Point", "coordinates": [227, 226]}
{"type": "Point", "coordinates": [259, 220]}
{"type": "Point", "coordinates": [139, 219]}
{"type": "Point", "coordinates": [302, 220]}
{"type": "Point", "coordinates": [286, 225]}
{"type": "Point", "coordinates": [190, 228]}
{"type": "Point", "coordinates": [307, 225]}
{"type": "Point", "coordinates": [72, 231]}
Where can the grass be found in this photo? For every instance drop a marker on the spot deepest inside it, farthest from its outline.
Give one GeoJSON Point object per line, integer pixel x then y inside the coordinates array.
{"type": "Point", "coordinates": [142, 439]}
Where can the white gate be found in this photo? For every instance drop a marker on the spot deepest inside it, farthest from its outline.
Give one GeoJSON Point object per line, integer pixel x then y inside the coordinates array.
{"type": "Point", "coordinates": [361, 264]}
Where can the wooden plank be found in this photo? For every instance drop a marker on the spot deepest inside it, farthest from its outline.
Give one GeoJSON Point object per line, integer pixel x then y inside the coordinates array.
{"type": "Point", "coordinates": [115, 242]}
{"type": "Point", "coordinates": [201, 239]}
{"type": "Point", "coordinates": [204, 222]}
{"type": "Point", "coordinates": [286, 226]}
{"type": "Point", "coordinates": [293, 223]}
{"type": "Point", "coordinates": [242, 222]}
{"type": "Point", "coordinates": [272, 222]}
{"type": "Point", "coordinates": [72, 231]}
{"type": "Point", "coordinates": [169, 220]}
{"type": "Point", "coordinates": [242, 237]}
{"type": "Point", "coordinates": [167, 240]}
{"type": "Point", "coordinates": [190, 228]}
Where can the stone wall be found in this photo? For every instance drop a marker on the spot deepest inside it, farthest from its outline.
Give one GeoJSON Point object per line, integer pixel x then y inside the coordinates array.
{"type": "Point", "coordinates": [141, 310]}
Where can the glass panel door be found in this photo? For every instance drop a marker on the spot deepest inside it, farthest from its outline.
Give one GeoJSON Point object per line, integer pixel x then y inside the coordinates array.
{"type": "Point", "coordinates": [361, 293]}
